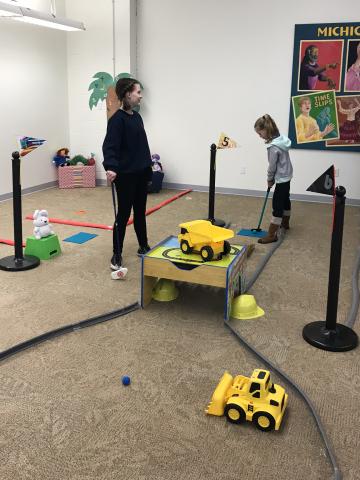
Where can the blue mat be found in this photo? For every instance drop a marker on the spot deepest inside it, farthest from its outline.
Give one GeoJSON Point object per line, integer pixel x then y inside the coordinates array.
{"type": "Point", "coordinates": [80, 237]}
{"type": "Point", "coordinates": [252, 233]}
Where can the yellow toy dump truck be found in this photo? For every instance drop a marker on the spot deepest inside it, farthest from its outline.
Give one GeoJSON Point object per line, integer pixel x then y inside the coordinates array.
{"type": "Point", "coordinates": [255, 399]}
{"type": "Point", "coordinates": [201, 236]}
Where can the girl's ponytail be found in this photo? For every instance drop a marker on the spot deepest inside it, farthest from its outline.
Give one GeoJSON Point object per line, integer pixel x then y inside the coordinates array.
{"type": "Point", "coordinates": [267, 123]}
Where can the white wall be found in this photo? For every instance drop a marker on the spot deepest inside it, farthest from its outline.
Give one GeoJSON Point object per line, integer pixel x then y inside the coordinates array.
{"type": "Point", "coordinates": [210, 66]}
{"type": "Point", "coordinates": [92, 52]}
{"type": "Point", "coordinates": [207, 67]}
{"type": "Point", "coordinates": [33, 96]}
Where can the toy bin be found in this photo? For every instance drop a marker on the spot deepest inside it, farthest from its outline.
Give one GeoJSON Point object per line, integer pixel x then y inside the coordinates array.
{"type": "Point", "coordinates": [76, 176]}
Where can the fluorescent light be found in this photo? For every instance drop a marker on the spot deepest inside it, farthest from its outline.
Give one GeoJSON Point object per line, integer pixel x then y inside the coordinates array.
{"type": "Point", "coordinates": [49, 20]}
{"type": "Point", "coordinates": [7, 10]}
{"type": "Point", "coordinates": [39, 18]}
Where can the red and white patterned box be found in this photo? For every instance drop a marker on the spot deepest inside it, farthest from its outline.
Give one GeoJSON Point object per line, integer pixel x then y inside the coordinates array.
{"type": "Point", "coordinates": [77, 176]}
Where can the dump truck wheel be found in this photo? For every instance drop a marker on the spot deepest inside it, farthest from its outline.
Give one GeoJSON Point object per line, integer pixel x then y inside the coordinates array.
{"type": "Point", "coordinates": [206, 253]}
{"type": "Point", "coordinates": [227, 247]}
{"type": "Point", "coordinates": [234, 413]}
{"type": "Point", "coordinates": [264, 421]}
{"type": "Point", "coordinates": [185, 247]}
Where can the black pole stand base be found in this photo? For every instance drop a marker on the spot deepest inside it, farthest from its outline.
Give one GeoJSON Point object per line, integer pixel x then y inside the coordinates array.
{"type": "Point", "coordinates": [217, 222]}
{"type": "Point", "coordinates": [342, 339]}
{"type": "Point", "coordinates": [13, 264]}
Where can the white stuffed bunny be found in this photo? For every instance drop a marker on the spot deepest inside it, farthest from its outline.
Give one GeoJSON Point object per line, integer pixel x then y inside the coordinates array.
{"type": "Point", "coordinates": [42, 227]}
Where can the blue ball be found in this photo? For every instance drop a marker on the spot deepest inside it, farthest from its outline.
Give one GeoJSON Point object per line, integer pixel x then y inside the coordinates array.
{"type": "Point", "coordinates": [125, 380]}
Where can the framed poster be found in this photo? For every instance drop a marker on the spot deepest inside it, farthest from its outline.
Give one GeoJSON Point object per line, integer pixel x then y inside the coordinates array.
{"type": "Point", "coordinates": [326, 60]}
{"type": "Point", "coordinates": [315, 117]}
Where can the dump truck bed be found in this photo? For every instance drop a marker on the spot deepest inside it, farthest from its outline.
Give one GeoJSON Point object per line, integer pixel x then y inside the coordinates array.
{"type": "Point", "coordinates": [204, 231]}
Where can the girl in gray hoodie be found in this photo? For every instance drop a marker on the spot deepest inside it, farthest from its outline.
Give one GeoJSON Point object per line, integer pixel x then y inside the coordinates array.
{"type": "Point", "coordinates": [280, 172]}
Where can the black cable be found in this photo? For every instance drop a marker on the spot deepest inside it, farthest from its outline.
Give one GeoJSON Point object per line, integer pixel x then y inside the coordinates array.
{"type": "Point", "coordinates": [68, 329]}
{"type": "Point", "coordinates": [266, 361]}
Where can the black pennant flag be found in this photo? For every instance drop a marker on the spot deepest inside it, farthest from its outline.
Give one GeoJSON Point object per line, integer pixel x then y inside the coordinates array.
{"type": "Point", "coordinates": [325, 183]}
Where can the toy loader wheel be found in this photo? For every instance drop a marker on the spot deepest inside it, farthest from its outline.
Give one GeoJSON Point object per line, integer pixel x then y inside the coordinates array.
{"type": "Point", "coordinates": [234, 413]}
{"type": "Point", "coordinates": [206, 253]}
{"type": "Point", "coordinates": [227, 247]}
{"type": "Point", "coordinates": [185, 247]}
{"type": "Point", "coordinates": [264, 421]}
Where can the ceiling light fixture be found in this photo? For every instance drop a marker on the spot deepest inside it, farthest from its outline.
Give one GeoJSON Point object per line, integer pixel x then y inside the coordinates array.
{"type": "Point", "coordinates": [7, 10]}
{"type": "Point", "coordinates": [39, 18]}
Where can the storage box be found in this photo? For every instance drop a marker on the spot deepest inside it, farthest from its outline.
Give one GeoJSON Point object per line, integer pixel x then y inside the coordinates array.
{"type": "Point", "coordinates": [76, 176]}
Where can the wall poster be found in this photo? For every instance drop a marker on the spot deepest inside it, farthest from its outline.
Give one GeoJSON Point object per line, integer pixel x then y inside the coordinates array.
{"type": "Point", "coordinates": [325, 88]}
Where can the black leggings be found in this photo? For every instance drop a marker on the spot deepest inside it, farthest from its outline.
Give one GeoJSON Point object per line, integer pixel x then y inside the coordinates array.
{"type": "Point", "coordinates": [131, 189]}
{"type": "Point", "coordinates": [281, 199]}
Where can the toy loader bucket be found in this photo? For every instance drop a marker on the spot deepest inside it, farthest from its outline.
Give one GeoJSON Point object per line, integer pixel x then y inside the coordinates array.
{"type": "Point", "coordinates": [217, 403]}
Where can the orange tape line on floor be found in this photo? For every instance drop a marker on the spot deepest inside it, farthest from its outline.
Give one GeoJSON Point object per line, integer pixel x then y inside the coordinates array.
{"type": "Point", "coordinates": [110, 227]}
{"type": "Point", "coordinates": [9, 242]}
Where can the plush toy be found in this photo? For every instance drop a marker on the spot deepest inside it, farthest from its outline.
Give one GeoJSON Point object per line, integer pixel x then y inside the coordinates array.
{"type": "Point", "coordinates": [156, 164]}
{"type": "Point", "coordinates": [61, 157]}
{"type": "Point", "coordinates": [157, 174]}
{"type": "Point", "coordinates": [42, 227]}
{"type": "Point", "coordinates": [78, 160]}
{"type": "Point", "coordinates": [91, 160]}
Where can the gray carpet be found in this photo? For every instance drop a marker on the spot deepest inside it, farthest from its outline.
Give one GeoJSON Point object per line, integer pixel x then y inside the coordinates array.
{"type": "Point", "coordinates": [65, 414]}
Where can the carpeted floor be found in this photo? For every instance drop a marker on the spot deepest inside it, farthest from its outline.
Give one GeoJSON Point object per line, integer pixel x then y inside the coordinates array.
{"type": "Point", "coordinates": [65, 414]}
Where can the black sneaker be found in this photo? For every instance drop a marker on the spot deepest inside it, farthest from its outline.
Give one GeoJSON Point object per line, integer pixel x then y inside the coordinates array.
{"type": "Point", "coordinates": [115, 262]}
{"type": "Point", "coordinates": [143, 250]}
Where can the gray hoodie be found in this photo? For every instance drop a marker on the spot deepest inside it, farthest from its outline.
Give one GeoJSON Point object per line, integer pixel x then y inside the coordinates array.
{"type": "Point", "coordinates": [280, 169]}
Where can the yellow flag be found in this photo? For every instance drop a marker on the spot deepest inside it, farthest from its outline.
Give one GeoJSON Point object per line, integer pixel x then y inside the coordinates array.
{"type": "Point", "coordinates": [226, 142]}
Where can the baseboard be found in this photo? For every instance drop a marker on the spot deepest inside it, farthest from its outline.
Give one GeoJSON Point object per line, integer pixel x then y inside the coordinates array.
{"type": "Point", "coordinates": [26, 191]}
{"type": "Point", "coordinates": [260, 193]}
{"type": "Point", "coordinates": [101, 182]}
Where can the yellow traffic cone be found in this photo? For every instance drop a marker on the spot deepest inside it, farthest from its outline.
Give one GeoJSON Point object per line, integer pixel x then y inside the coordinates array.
{"type": "Point", "coordinates": [165, 290]}
{"type": "Point", "coordinates": [244, 307]}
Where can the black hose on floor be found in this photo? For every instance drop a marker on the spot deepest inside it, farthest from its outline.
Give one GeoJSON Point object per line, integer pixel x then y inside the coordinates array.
{"type": "Point", "coordinates": [329, 450]}
{"type": "Point", "coordinates": [266, 361]}
{"type": "Point", "coordinates": [274, 246]}
{"type": "Point", "coordinates": [67, 329]}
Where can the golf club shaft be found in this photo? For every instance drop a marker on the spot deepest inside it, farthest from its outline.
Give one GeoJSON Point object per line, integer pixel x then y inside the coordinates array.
{"type": "Point", "coordinates": [116, 232]}
{"type": "Point", "coordinates": [263, 209]}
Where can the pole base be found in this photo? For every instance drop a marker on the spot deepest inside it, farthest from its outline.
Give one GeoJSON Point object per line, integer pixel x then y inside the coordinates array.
{"type": "Point", "coordinates": [341, 339]}
{"type": "Point", "coordinates": [217, 222]}
{"type": "Point", "coordinates": [12, 264]}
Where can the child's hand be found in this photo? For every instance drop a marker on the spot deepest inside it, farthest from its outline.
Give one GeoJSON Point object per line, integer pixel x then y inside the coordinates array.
{"type": "Point", "coordinates": [270, 183]}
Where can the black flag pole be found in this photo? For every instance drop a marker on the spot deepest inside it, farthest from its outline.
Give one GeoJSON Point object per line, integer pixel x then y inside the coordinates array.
{"type": "Point", "coordinates": [211, 217]}
{"type": "Point", "coordinates": [330, 335]}
{"type": "Point", "coordinates": [17, 262]}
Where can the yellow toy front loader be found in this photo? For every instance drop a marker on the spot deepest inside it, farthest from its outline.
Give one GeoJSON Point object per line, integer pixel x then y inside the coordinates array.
{"type": "Point", "coordinates": [255, 399]}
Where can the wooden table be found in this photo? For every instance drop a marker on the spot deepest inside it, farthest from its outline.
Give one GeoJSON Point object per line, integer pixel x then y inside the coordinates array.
{"type": "Point", "coordinates": [166, 260]}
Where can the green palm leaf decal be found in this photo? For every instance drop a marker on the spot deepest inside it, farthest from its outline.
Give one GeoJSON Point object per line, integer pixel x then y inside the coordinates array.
{"type": "Point", "coordinates": [100, 85]}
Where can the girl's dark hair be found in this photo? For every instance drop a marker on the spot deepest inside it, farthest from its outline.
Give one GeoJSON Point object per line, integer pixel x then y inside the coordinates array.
{"type": "Point", "coordinates": [267, 123]}
{"type": "Point", "coordinates": [123, 86]}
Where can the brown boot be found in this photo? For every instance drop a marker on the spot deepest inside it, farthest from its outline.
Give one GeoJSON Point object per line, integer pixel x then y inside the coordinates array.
{"type": "Point", "coordinates": [285, 222]}
{"type": "Point", "coordinates": [272, 234]}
